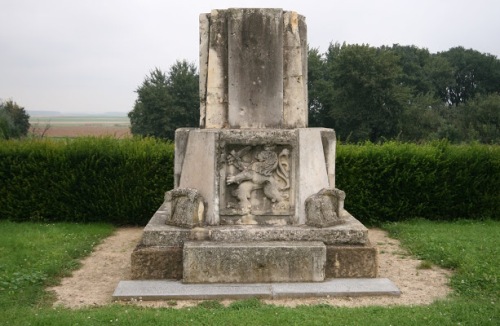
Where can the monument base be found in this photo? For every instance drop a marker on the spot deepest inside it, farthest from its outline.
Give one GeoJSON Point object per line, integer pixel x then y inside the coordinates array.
{"type": "Point", "coordinates": [348, 252]}
{"type": "Point", "coordinates": [165, 262]}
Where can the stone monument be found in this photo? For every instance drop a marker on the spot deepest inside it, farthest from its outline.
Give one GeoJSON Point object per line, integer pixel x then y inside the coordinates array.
{"type": "Point", "coordinates": [254, 198]}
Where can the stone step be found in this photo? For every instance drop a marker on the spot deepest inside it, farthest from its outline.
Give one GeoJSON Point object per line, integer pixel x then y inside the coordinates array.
{"type": "Point", "coordinates": [157, 233]}
{"type": "Point", "coordinates": [253, 262]}
{"type": "Point", "coordinates": [175, 290]}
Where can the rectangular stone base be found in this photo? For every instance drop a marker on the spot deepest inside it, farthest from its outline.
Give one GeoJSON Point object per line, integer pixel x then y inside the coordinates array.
{"type": "Point", "coordinates": [254, 262]}
{"type": "Point", "coordinates": [165, 262]}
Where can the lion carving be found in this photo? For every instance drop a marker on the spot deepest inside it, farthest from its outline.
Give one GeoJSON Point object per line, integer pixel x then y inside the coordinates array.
{"type": "Point", "coordinates": [261, 173]}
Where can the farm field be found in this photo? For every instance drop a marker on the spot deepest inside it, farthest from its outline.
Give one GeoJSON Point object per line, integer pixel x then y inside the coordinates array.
{"type": "Point", "coordinates": [80, 126]}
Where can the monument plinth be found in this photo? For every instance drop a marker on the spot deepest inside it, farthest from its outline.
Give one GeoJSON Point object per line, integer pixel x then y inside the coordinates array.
{"type": "Point", "coordinates": [254, 198]}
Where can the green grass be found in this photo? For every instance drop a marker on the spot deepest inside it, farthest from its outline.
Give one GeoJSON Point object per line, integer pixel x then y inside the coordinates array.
{"type": "Point", "coordinates": [470, 248]}
{"type": "Point", "coordinates": [34, 255]}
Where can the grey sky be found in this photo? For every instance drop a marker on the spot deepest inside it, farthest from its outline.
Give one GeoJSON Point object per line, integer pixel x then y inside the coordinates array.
{"type": "Point", "coordinates": [91, 55]}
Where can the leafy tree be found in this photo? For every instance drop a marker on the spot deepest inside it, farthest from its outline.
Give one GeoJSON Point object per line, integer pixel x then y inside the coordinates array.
{"type": "Point", "coordinates": [319, 89]}
{"type": "Point", "coordinates": [474, 72]}
{"type": "Point", "coordinates": [183, 85]}
{"type": "Point", "coordinates": [369, 99]}
{"type": "Point", "coordinates": [479, 119]}
{"type": "Point", "coordinates": [422, 118]}
{"type": "Point", "coordinates": [425, 73]}
{"type": "Point", "coordinates": [166, 101]}
{"type": "Point", "coordinates": [14, 121]}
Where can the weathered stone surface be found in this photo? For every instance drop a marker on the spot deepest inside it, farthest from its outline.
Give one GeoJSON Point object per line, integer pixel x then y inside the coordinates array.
{"type": "Point", "coordinates": [156, 262]}
{"type": "Point", "coordinates": [217, 74]}
{"type": "Point", "coordinates": [329, 140]}
{"type": "Point", "coordinates": [156, 233]}
{"type": "Point", "coordinates": [311, 169]}
{"type": "Point", "coordinates": [184, 207]}
{"type": "Point", "coordinates": [199, 170]}
{"type": "Point", "coordinates": [351, 261]}
{"type": "Point", "coordinates": [204, 40]}
{"type": "Point", "coordinates": [255, 68]}
{"type": "Point", "coordinates": [326, 208]}
{"type": "Point", "coordinates": [257, 182]}
{"type": "Point", "coordinates": [342, 261]}
{"type": "Point", "coordinates": [294, 71]}
{"type": "Point", "coordinates": [253, 262]}
{"type": "Point", "coordinates": [181, 139]}
{"type": "Point", "coordinates": [227, 166]}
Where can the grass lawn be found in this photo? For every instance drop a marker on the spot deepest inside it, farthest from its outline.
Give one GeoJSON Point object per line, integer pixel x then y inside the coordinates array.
{"type": "Point", "coordinates": [33, 256]}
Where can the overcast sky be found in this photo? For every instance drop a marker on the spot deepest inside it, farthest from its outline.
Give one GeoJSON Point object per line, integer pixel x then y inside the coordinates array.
{"type": "Point", "coordinates": [77, 56]}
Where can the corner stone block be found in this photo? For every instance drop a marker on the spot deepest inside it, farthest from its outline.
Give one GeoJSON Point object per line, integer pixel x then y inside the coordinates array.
{"type": "Point", "coordinates": [156, 263]}
{"type": "Point", "coordinates": [351, 261]}
{"type": "Point", "coordinates": [184, 207]}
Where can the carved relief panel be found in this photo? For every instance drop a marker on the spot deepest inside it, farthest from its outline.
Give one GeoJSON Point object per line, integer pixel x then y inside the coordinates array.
{"type": "Point", "coordinates": [256, 184]}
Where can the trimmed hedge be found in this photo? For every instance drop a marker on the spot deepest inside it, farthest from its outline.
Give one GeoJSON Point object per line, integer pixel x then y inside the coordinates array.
{"type": "Point", "coordinates": [437, 181]}
{"type": "Point", "coordinates": [84, 180]}
{"type": "Point", "coordinates": [124, 181]}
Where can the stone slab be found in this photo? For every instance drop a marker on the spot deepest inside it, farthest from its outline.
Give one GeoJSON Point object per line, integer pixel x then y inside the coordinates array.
{"type": "Point", "coordinates": [254, 262]}
{"type": "Point", "coordinates": [175, 290]}
{"type": "Point", "coordinates": [337, 288]}
{"type": "Point", "coordinates": [157, 233]}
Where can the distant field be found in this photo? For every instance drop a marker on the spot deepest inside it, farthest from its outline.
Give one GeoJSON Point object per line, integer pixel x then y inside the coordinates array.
{"type": "Point", "coordinates": [78, 126]}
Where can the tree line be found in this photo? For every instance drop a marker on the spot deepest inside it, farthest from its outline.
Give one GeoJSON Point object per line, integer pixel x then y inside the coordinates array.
{"type": "Point", "coordinates": [405, 93]}
{"type": "Point", "coordinates": [363, 92]}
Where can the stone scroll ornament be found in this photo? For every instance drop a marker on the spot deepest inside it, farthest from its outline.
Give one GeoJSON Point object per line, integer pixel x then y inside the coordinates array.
{"type": "Point", "coordinates": [268, 171]}
{"type": "Point", "coordinates": [326, 208]}
{"type": "Point", "coordinates": [184, 207]}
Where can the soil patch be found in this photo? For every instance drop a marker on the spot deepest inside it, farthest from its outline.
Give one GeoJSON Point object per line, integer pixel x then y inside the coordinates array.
{"type": "Point", "coordinates": [94, 283]}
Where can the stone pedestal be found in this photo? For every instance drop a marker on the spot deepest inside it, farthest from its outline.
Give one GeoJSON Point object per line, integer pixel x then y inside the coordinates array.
{"type": "Point", "coordinates": [349, 253]}
{"type": "Point", "coordinates": [255, 198]}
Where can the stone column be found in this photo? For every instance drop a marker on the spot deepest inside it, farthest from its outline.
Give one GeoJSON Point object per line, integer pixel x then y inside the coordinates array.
{"type": "Point", "coordinates": [253, 69]}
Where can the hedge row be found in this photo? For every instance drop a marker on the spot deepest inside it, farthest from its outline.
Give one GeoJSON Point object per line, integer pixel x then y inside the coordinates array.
{"type": "Point", "coordinates": [437, 181]}
{"type": "Point", "coordinates": [123, 181]}
{"type": "Point", "coordinates": [84, 180]}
